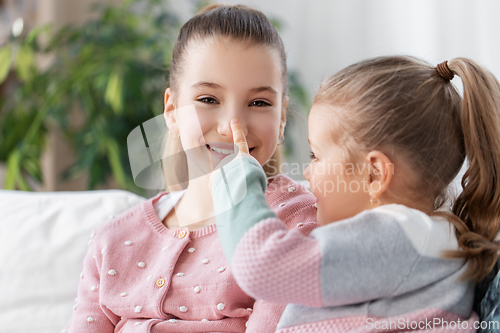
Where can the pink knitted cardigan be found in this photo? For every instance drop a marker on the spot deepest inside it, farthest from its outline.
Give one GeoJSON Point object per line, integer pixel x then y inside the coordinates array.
{"type": "Point", "coordinates": [139, 276]}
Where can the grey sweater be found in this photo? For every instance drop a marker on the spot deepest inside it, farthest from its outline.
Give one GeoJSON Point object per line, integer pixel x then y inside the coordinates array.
{"type": "Point", "coordinates": [381, 269]}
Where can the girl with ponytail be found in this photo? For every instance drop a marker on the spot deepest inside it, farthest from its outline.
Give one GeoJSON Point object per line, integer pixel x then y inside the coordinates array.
{"type": "Point", "coordinates": [388, 135]}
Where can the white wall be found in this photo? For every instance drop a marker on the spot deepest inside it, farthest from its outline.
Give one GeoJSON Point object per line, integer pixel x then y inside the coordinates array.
{"type": "Point", "coordinates": [323, 36]}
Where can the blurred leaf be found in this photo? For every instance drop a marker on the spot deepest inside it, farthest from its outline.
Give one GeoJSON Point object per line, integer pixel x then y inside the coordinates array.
{"type": "Point", "coordinates": [13, 163]}
{"type": "Point", "coordinates": [32, 166]}
{"type": "Point", "coordinates": [25, 63]}
{"type": "Point", "coordinates": [96, 175]}
{"type": "Point", "coordinates": [114, 90]}
{"type": "Point", "coordinates": [32, 36]}
{"type": "Point", "coordinates": [278, 24]}
{"type": "Point", "coordinates": [14, 175]}
{"type": "Point", "coordinates": [5, 61]}
{"type": "Point", "coordinates": [298, 93]}
{"type": "Point", "coordinates": [115, 162]}
{"type": "Point", "coordinates": [201, 4]}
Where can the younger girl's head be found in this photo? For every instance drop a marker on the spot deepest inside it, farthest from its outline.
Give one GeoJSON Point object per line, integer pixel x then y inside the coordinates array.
{"type": "Point", "coordinates": [398, 131]}
{"type": "Point", "coordinates": [229, 62]}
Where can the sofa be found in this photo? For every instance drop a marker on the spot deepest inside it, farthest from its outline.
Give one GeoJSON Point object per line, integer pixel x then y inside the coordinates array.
{"type": "Point", "coordinates": [43, 239]}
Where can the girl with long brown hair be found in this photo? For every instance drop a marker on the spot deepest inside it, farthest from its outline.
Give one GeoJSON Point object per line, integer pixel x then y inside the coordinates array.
{"type": "Point", "coordinates": [159, 267]}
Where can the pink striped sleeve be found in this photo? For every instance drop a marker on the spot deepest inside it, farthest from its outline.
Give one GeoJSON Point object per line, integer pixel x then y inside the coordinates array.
{"type": "Point", "coordinates": [278, 265]}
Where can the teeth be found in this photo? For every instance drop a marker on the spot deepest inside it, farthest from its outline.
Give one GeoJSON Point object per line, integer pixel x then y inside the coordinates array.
{"type": "Point", "coordinates": [222, 151]}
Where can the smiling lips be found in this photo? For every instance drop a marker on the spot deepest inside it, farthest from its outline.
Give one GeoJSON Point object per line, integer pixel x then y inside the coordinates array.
{"type": "Point", "coordinates": [223, 149]}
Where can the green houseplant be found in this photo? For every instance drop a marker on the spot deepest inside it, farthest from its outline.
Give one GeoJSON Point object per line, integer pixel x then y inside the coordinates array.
{"type": "Point", "coordinates": [113, 70]}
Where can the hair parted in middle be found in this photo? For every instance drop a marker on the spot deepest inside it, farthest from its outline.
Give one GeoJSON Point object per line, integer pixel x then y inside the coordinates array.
{"type": "Point", "coordinates": [237, 23]}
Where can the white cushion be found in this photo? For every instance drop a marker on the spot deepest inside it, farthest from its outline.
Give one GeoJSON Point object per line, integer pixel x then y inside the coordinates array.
{"type": "Point", "coordinates": [43, 239]}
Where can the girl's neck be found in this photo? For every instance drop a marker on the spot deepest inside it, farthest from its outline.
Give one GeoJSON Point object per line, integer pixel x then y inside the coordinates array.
{"type": "Point", "coordinates": [195, 209]}
{"type": "Point", "coordinates": [414, 203]}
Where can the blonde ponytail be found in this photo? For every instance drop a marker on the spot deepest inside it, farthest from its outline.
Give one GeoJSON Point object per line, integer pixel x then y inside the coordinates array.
{"type": "Point", "coordinates": [478, 206]}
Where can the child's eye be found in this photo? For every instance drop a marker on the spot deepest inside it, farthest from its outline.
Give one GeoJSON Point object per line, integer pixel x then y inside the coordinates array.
{"type": "Point", "coordinates": [312, 156]}
{"type": "Point", "coordinates": [208, 100]}
{"type": "Point", "coordinates": [259, 103]}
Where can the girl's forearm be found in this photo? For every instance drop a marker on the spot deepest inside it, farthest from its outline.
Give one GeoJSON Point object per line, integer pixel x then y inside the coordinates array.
{"type": "Point", "coordinates": [238, 193]}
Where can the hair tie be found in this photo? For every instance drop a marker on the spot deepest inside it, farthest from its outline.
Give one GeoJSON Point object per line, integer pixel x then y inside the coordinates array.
{"type": "Point", "coordinates": [444, 71]}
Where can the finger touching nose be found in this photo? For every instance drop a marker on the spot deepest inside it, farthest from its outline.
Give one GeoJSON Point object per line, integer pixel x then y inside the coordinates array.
{"type": "Point", "coordinates": [238, 137]}
{"type": "Point", "coordinates": [224, 127]}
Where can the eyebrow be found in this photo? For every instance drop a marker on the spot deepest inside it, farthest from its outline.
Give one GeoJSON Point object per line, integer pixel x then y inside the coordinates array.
{"type": "Point", "coordinates": [205, 84]}
{"type": "Point", "coordinates": [265, 89]}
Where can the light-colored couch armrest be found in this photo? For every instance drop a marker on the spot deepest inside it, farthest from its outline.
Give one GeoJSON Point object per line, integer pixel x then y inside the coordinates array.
{"type": "Point", "coordinates": [43, 238]}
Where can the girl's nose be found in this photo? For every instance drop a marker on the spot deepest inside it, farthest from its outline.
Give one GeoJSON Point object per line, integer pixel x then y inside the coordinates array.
{"type": "Point", "coordinates": [224, 126]}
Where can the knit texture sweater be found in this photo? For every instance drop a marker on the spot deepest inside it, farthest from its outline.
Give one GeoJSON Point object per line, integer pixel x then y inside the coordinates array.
{"type": "Point", "coordinates": [381, 270]}
{"type": "Point", "coordinates": [140, 276]}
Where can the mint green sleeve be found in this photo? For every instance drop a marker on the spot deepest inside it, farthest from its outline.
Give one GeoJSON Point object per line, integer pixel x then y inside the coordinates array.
{"type": "Point", "coordinates": [238, 193]}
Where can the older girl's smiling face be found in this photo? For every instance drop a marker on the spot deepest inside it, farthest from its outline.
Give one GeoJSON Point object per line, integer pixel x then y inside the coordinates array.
{"type": "Point", "coordinates": [225, 79]}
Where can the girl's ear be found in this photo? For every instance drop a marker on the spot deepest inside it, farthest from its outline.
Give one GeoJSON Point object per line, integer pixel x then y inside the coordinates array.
{"type": "Point", "coordinates": [380, 172]}
{"type": "Point", "coordinates": [169, 112]}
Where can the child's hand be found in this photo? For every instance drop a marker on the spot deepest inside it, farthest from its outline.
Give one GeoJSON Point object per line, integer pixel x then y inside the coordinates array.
{"type": "Point", "coordinates": [239, 138]}
{"type": "Point", "coordinates": [241, 143]}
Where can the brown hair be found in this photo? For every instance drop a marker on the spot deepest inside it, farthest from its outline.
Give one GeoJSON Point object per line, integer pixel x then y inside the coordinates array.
{"type": "Point", "coordinates": [240, 24]}
{"type": "Point", "coordinates": [401, 106]}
